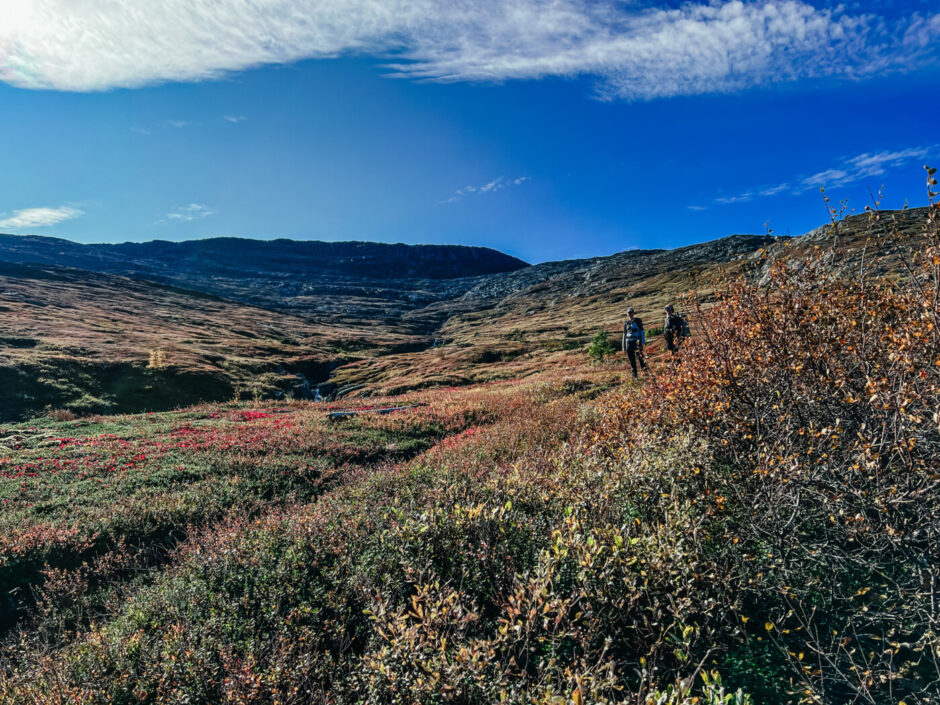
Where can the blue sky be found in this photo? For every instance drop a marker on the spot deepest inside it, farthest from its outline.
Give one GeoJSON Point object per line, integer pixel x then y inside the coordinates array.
{"type": "Point", "coordinates": [544, 129]}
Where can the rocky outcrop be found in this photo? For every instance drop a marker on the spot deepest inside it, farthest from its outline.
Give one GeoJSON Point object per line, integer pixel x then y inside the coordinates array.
{"type": "Point", "coordinates": [599, 274]}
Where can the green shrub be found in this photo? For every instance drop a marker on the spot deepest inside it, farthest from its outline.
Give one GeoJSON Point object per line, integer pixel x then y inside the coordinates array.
{"type": "Point", "coordinates": [601, 347]}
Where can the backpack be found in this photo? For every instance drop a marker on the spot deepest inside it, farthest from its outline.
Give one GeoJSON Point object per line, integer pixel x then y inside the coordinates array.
{"type": "Point", "coordinates": [634, 330]}
{"type": "Point", "coordinates": [677, 326]}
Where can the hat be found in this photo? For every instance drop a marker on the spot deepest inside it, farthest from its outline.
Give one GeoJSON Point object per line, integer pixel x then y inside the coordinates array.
{"type": "Point", "coordinates": [630, 310]}
{"type": "Point", "coordinates": [669, 307]}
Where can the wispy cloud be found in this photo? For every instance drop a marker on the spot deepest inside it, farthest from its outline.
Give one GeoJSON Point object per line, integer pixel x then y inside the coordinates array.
{"type": "Point", "coordinates": [740, 198]}
{"type": "Point", "coordinates": [864, 166]}
{"type": "Point", "coordinates": [773, 190]}
{"type": "Point", "coordinates": [193, 211]}
{"type": "Point", "coordinates": [38, 217]}
{"type": "Point", "coordinates": [234, 119]}
{"type": "Point", "coordinates": [635, 51]}
{"type": "Point", "coordinates": [159, 126]}
{"type": "Point", "coordinates": [852, 170]}
{"type": "Point", "coordinates": [497, 184]}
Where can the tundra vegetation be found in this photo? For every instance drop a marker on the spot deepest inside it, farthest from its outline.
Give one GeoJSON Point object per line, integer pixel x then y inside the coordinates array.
{"type": "Point", "coordinates": [758, 522]}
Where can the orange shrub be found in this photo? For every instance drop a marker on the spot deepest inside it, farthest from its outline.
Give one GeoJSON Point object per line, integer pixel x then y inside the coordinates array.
{"type": "Point", "coordinates": [818, 396]}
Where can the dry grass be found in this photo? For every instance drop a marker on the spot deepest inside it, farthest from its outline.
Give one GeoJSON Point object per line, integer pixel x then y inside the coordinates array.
{"type": "Point", "coordinates": [66, 334]}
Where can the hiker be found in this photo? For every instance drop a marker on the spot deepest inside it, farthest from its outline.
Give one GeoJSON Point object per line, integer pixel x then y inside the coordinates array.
{"type": "Point", "coordinates": [634, 338]}
{"type": "Point", "coordinates": [675, 330]}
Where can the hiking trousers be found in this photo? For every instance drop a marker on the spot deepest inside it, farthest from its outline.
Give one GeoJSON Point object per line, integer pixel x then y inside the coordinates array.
{"type": "Point", "coordinates": [673, 342]}
{"type": "Point", "coordinates": [633, 354]}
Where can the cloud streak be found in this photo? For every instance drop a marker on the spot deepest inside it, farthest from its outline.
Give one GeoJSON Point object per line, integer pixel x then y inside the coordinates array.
{"type": "Point", "coordinates": [38, 217]}
{"type": "Point", "coordinates": [634, 53]}
{"type": "Point", "coordinates": [186, 214]}
{"type": "Point", "coordinates": [497, 184]}
{"type": "Point", "coordinates": [854, 169]}
{"type": "Point", "coordinates": [863, 166]}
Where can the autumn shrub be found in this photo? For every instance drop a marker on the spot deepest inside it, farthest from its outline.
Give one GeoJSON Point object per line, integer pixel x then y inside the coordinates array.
{"type": "Point", "coordinates": [818, 398]}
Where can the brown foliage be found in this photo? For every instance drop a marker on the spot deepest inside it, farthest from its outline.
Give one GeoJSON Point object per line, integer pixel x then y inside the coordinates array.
{"type": "Point", "coordinates": [818, 396]}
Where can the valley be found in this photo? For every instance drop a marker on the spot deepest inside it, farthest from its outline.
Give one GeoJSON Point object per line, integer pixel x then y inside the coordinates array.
{"type": "Point", "coordinates": [479, 513]}
{"type": "Point", "coordinates": [92, 341]}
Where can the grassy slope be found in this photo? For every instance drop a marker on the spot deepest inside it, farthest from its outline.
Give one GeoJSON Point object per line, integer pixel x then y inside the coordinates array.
{"type": "Point", "coordinates": [83, 341]}
{"type": "Point", "coordinates": [89, 503]}
{"type": "Point", "coordinates": [95, 489]}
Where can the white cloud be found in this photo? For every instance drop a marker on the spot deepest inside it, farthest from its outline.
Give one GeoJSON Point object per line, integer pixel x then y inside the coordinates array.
{"type": "Point", "coordinates": [852, 170]}
{"type": "Point", "coordinates": [864, 166]}
{"type": "Point", "coordinates": [773, 190]}
{"type": "Point", "coordinates": [634, 52]}
{"type": "Point", "coordinates": [178, 124]}
{"type": "Point", "coordinates": [194, 211]}
{"type": "Point", "coordinates": [234, 119]}
{"type": "Point", "coordinates": [497, 184]}
{"type": "Point", "coordinates": [740, 198]}
{"type": "Point", "coordinates": [38, 217]}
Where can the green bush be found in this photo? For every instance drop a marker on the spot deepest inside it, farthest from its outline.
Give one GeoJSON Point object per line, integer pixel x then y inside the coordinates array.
{"type": "Point", "coordinates": [601, 348]}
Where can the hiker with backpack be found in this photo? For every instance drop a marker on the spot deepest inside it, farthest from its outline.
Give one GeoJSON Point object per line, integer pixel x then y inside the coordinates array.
{"type": "Point", "coordinates": [634, 339]}
{"type": "Point", "coordinates": [675, 330]}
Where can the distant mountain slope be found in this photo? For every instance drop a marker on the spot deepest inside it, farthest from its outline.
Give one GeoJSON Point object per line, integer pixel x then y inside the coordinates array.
{"type": "Point", "coordinates": [517, 322]}
{"type": "Point", "coordinates": [335, 279]}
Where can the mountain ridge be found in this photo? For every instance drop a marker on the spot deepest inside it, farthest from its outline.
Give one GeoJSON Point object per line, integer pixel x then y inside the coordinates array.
{"type": "Point", "coordinates": [353, 279]}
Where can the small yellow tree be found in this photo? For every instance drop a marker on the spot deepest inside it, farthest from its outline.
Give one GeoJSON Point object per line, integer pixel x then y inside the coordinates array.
{"type": "Point", "coordinates": [157, 359]}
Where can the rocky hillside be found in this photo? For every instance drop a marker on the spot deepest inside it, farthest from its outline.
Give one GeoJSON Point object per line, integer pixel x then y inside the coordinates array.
{"type": "Point", "coordinates": [348, 280]}
{"type": "Point", "coordinates": [520, 322]}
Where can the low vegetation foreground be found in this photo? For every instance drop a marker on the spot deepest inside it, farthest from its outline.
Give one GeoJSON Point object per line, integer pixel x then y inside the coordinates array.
{"type": "Point", "coordinates": [756, 521]}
